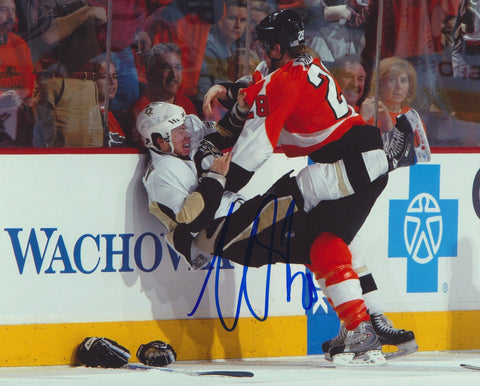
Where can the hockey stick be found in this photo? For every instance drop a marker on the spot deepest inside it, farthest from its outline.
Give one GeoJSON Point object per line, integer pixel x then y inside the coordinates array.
{"type": "Point", "coordinates": [224, 373]}
{"type": "Point", "coordinates": [470, 367]}
{"type": "Point", "coordinates": [377, 59]}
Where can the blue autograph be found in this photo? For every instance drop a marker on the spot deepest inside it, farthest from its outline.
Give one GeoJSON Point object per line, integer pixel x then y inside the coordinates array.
{"type": "Point", "coordinates": [309, 292]}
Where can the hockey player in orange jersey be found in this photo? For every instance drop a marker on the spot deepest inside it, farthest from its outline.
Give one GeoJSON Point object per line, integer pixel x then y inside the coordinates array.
{"type": "Point", "coordinates": [296, 105]}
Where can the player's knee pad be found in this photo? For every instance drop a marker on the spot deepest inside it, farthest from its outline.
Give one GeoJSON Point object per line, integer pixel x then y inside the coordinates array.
{"type": "Point", "coordinates": [329, 252]}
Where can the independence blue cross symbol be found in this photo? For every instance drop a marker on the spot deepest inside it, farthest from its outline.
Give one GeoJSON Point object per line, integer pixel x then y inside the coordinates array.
{"type": "Point", "coordinates": [423, 228]}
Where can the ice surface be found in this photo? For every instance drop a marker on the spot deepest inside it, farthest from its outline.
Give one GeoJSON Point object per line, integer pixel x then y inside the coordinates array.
{"type": "Point", "coordinates": [421, 368]}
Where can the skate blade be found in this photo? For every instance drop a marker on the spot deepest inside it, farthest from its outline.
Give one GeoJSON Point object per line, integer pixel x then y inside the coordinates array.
{"type": "Point", "coordinates": [422, 148]}
{"type": "Point", "coordinates": [403, 349]}
{"type": "Point", "coordinates": [370, 358]}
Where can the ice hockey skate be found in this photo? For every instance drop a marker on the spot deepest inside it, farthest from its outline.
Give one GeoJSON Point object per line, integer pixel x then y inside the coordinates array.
{"type": "Point", "coordinates": [361, 346]}
{"type": "Point", "coordinates": [336, 341]}
{"type": "Point", "coordinates": [404, 340]}
{"type": "Point", "coordinates": [399, 145]}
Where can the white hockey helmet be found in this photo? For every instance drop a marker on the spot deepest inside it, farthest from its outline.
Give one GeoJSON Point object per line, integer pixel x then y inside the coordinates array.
{"type": "Point", "coordinates": [159, 118]}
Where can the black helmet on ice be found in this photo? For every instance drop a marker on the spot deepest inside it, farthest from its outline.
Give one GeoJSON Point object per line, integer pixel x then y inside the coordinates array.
{"type": "Point", "coordinates": [284, 27]}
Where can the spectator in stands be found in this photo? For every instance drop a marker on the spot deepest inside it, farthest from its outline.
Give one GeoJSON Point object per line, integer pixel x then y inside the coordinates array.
{"type": "Point", "coordinates": [466, 65]}
{"type": "Point", "coordinates": [351, 73]}
{"type": "Point", "coordinates": [16, 70]}
{"type": "Point", "coordinates": [397, 87]}
{"type": "Point", "coordinates": [164, 70]}
{"type": "Point", "coordinates": [413, 30]}
{"type": "Point", "coordinates": [335, 28]}
{"type": "Point", "coordinates": [127, 29]}
{"type": "Point", "coordinates": [466, 48]}
{"type": "Point", "coordinates": [187, 24]}
{"type": "Point", "coordinates": [221, 45]}
{"type": "Point", "coordinates": [16, 82]}
{"type": "Point", "coordinates": [107, 86]}
{"type": "Point", "coordinates": [65, 98]}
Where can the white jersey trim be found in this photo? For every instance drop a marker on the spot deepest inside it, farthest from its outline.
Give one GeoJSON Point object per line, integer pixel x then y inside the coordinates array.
{"type": "Point", "coordinates": [307, 140]}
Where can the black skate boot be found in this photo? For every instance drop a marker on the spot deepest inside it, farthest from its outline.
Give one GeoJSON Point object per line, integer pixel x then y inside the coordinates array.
{"type": "Point", "coordinates": [399, 146]}
{"type": "Point", "coordinates": [404, 340]}
{"type": "Point", "coordinates": [336, 341]}
{"type": "Point", "coordinates": [360, 347]}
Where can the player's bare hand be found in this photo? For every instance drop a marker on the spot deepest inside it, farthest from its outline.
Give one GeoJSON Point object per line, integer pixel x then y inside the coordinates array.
{"type": "Point", "coordinates": [367, 109]}
{"type": "Point", "coordinates": [99, 14]}
{"type": "Point", "coordinates": [212, 95]}
{"type": "Point", "coordinates": [383, 117]}
{"type": "Point", "coordinates": [221, 165]}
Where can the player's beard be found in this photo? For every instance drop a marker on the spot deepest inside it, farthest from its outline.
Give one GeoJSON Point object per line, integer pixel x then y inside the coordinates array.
{"type": "Point", "coordinates": [274, 63]}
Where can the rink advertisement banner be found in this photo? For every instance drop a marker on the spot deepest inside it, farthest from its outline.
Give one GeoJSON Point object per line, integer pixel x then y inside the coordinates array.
{"type": "Point", "coordinates": [78, 245]}
{"type": "Point", "coordinates": [427, 249]}
{"type": "Point", "coordinates": [78, 225]}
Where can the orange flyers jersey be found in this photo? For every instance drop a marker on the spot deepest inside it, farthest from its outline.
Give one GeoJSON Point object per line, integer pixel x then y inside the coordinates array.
{"type": "Point", "coordinates": [16, 70]}
{"type": "Point", "coordinates": [298, 108]}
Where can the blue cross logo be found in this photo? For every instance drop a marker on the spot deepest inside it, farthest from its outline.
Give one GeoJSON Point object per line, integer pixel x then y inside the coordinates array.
{"type": "Point", "coordinates": [423, 228]}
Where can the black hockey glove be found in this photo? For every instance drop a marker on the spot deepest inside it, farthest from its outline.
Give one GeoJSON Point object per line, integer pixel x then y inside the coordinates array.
{"type": "Point", "coordinates": [156, 353]}
{"type": "Point", "coordinates": [102, 352]}
{"type": "Point", "coordinates": [205, 149]}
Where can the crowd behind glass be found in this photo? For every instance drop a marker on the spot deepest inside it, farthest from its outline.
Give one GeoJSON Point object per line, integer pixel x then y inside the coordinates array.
{"type": "Point", "coordinates": [76, 73]}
